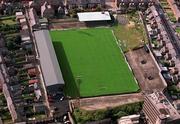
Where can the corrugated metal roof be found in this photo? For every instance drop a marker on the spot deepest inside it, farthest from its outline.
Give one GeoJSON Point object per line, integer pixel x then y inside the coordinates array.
{"type": "Point", "coordinates": [49, 63]}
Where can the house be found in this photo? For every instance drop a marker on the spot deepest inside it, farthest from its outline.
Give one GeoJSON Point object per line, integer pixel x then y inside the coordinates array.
{"type": "Point", "coordinates": [33, 18]}
{"type": "Point", "coordinates": [23, 24]}
{"type": "Point", "coordinates": [176, 104]}
{"type": "Point", "coordinates": [27, 66]}
{"type": "Point", "coordinates": [30, 58]}
{"type": "Point", "coordinates": [33, 81]}
{"type": "Point", "coordinates": [36, 4]}
{"type": "Point", "coordinates": [1, 86]}
{"type": "Point", "coordinates": [85, 3]}
{"type": "Point", "coordinates": [33, 72]}
{"type": "Point", "coordinates": [1, 122]}
{"type": "Point", "coordinates": [25, 36]}
{"type": "Point", "coordinates": [125, 5]}
{"type": "Point", "coordinates": [95, 3]}
{"type": "Point", "coordinates": [10, 103]}
{"type": "Point", "coordinates": [56, 3]}
{"type": "Point", "coordinates": [19, 15]}
{"type": "Point", "coordinates": [158, 54]}
{"type": "Point", "coordinates": [39, 108]}
{"type": "Point", "coordinates": [43, 23]}
{"type": "Point", "coordinates": [2, 43]}
{"type": "Point", "coordinates": [27, 45]}
{"type": "Point", "coordinates": [38, 94]}
{"type": "Point", "coordinates": [47, 11]}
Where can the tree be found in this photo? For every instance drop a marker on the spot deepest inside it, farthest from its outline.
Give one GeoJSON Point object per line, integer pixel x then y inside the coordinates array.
{"type": "Point", "coordinates": [98, 8]}
{"type": "Point", "coordinates": [120, 114]}
{"type": "Point", "coordinates": [10, 45]}
{"type": "Point", "coordinates": [83, 116]}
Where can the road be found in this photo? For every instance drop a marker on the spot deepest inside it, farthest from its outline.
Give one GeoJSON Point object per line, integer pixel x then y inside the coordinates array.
{"type": "Point", "coordinates": [170, 31]}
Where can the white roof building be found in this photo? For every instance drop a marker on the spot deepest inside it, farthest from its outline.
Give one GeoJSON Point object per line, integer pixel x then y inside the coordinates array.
{"type": "Point", "coordinates": [19, 15]}
{"type": "Point", "coordinates": [94, 16]}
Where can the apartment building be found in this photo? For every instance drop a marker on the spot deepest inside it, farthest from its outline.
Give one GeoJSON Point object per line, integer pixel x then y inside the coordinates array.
{"type": "Point", "coordinates": [159, 110]}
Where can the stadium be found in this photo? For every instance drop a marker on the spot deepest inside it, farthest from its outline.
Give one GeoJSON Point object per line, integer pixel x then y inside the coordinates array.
{"type": "Point", "coordinates": [91, 62]}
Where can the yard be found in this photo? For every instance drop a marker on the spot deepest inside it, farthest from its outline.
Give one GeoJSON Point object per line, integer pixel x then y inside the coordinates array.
{"type": "Point", "coordinates": [178, 30]}
{"type": "Point", "coordinates": [4, 112]}
{"type": "Point", "coordinates": [91, 63]}
{"type": "Point", "coordinates": [9, 20]}
{"type": "Point", "coordinates": [131, 34]}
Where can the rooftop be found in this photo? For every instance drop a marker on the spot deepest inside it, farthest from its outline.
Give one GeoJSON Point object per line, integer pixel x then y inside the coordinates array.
{"type": "Point", "coordinates": [19, 13]}
{"type": "Point", "coordinates": [130, 119]}
{"type": "Point", "coordinates": [49, 64]}
{"type": "Point", "coordinates": [32, 17]}
{"type": "Point", "coordinates": [94, 16]}
{"type": "Point", "coordinates": [164, 107]}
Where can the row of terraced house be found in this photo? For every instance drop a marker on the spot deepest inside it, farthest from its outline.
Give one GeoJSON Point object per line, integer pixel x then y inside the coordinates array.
{"type": "Point", "coordinates": [25, 79]}
{"type": "Point", "coordinates": [48, 8]}
{"type": "Point", "coordinates": [164, 44]}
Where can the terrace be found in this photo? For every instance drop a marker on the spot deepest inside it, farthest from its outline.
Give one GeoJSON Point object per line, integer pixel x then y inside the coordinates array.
{"type": "Point", "coordinates": [23, 80]}
{"type": "Point", "coordinates": [169, 54]}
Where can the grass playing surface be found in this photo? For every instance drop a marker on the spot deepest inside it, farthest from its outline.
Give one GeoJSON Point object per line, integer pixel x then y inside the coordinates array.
{"type": "Point", "coordinates": [91, 63]}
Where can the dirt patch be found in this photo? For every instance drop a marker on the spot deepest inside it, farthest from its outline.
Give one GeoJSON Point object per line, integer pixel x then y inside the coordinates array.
{"type": "Point", "coordinates": [122, 20]}
{"type": "Point", "coordinates": [131, 24]}
{"type": "Point", "coordinates": [145, 70]}
{"type": "Point", "coordinates": [107, 101]}
{"type": "Point", "coordinates": [67, 25]}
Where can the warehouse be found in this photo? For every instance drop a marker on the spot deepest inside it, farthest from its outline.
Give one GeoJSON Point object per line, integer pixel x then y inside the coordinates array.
{"type": "Point", "coordinates": [49, 64]}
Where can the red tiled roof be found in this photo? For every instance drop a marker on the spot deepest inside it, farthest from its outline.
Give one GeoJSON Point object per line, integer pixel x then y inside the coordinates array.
{"type": "Point", "coordinates": [33, 72]}
{"type": "Point", "coordinates": [33, 81]}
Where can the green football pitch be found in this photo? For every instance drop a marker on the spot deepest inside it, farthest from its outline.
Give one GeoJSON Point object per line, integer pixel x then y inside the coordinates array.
{"type": "Point", "coordinates": [92, 63]}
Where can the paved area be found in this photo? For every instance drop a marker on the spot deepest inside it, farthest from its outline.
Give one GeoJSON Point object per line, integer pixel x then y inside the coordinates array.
{"type": "Point", "coordinates": [62, 107]}
{"type": "Point", "coordinates": [107, 101]}
{"type": "Point", "coordinates": [145, 70]}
